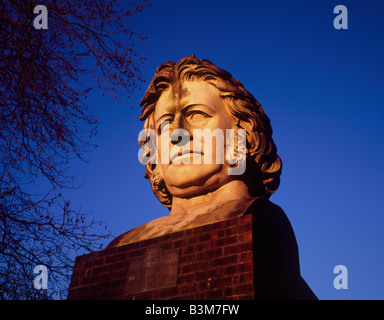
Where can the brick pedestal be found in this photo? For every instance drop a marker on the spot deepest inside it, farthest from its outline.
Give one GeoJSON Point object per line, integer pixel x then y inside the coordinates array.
{"type": "Point", "coordinates": [250, 257]}
{"type": "Point", "coordinates": [209, 262]}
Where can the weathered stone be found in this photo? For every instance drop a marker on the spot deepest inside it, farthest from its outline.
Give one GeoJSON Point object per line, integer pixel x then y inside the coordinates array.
{"type": "Point", "coordinates": [210, 158]}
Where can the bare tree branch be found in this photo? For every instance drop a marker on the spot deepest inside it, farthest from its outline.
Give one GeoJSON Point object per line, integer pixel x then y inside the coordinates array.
{"type": "Point", "coordinates": [45, 77]}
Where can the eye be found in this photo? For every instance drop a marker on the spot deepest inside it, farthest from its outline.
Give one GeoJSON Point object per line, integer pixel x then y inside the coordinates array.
{"type": "Point", "coordinates": [164, 125]}
{"type": "Point", "coordinates": [197, 115]}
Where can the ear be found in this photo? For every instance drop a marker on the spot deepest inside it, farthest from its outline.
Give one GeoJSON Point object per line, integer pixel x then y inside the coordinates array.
{"type": "Point", "coordinates": [159, 188]}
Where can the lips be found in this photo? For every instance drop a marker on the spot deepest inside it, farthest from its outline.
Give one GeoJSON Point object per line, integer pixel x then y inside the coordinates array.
{"type": "Point", "coordinates": [184, 153]}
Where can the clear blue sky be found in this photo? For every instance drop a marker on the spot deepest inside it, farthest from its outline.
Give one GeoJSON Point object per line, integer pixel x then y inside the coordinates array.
{"type": "Point", "coordinates": [323, 91]}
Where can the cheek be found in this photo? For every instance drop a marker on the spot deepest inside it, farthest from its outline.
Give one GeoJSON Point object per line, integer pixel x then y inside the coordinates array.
{"type": "Point", "coordinates": [162, 150]}
{"type": "Point", "coordinates": [225, 120]}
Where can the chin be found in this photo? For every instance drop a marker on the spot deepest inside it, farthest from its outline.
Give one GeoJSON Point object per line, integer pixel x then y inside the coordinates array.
{"type": "Point", "coordinates": [188, 180]}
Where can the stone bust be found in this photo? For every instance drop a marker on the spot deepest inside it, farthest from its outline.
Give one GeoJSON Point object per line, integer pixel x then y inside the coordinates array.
{"type": "Point", "coordinates": [187, 97]}
{"type": "Point", "coordinates": [209, 155]}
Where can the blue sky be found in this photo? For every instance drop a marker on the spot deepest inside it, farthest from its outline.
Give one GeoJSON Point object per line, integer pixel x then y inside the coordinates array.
{"type": "Point", "coordinates": [323, 90]}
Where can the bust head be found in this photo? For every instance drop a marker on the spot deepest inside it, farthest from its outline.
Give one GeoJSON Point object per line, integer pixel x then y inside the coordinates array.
{"type": "Point", "coordinates": [196, 94]}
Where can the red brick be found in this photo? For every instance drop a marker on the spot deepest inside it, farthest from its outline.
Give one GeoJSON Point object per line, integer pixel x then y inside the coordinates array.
{"type": "Point", "coordinates": [189, 296]}
{"type": "Point", "coordinates": [188, 258]}
{"type": "Point", "coordinates": [203, 229]}
{"type": "Point", "coordinates": [225, 241]}
{"type": "Point", "coordinates": [88, 264]}
{"type": "Point", "coordinates": [107, 277]}
{"type": "Point", "coordinates": [243, 288]}
{"type": "Point", "coordinates": [98, 261]}
{"type": "Point", "coordinates": [245, 256]}
{"type": "Point", "coordinates": [205, 255]}
{"type": "Point", "coordinates": [225, 260]}
{"type": "Point", "coordinates": [248, 296]}
{"type": "Point", "coordinates": [245, 237]}
{"type": "Point", "coordinates": [135, 253]}
{"type": "Point", "coordinates": [143, 296]}
{"type": "Point", "coordinates": [211, 295]}
{"type": "Point", "coordinates": [239, 229]}
{"type": "Point", "coordinates": [100, 286]}
{"type": "Point", "coordinates": [246, 267]}
{"type": "Point", "coordinates": [204, 237]}
{"type": "Point", "coordinates": [193, 267]}
{"type": "Point", "coordinates": [222, 282]}
{"type": "Point", "coordinates": [128, 247]}
{"type": "Point", "coordinates": [169, 292]}
{"type": "Point", "coordinates": [179, 243]}
{"type": "Point", "coordinates": [150, 242]}
{"type": "Point", "coordinates": [232, 269]}
{"type": "Point", "coordinates": [239, 268]}
{"type": "Point", "coordinates": [188, 287]}
{"type": "Point", "coordinates": [171, 236]}
{"type": "Point", "coordinates": [246, 277]}
{"type": "Point", "coordinates": [246, 218]}
{"type": "Point", "coordinates": [121, 265]}
{"type": "Point", "coordinates": [209, 254]}
{"type": "Point", "coordinates": [215, 262]}
{"type": "Point", "coordinates": [186, 278]}
{"type": "Point", "coordinates": [115, 258]}
{"type": "Point", "coordinates": [187, 241]}
{"type": "Point", "coordinates": [201, 275]}
{"type": "Point", "coordinates": [204, 286]}
{"type": "Point", "coordinates": [196, 248]}
{"type": "Point", "coordinates": [231, 280]}
{"type": "Point", "coordinates": [102, 269]}
{"type": "Point", "coordinates": [225, 223]}
{"type": "Point", "coordinates": [188, 233]}
{"type": "Point", "coordinates": [218, 234]}
{"type": "Point", "coordinates": [240, 247]}
{"type": "Point", "coordinates": [167, 246]}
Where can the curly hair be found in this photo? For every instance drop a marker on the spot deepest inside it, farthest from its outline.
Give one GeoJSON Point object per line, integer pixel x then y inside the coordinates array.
{"type": "Point", "coordinates": [263, 166]}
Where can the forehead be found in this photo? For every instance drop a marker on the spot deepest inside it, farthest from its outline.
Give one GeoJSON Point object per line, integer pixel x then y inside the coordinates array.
{"type": "Point", "coordinates": [182, 94]}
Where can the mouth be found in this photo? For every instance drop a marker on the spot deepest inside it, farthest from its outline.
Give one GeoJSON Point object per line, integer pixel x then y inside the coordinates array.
{"type": "Point", "coordinates": [184, 154]}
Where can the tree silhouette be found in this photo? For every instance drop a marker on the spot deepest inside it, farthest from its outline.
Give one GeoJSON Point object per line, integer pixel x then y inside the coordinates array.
{"type": "Point", "coordinates": [45, 76]}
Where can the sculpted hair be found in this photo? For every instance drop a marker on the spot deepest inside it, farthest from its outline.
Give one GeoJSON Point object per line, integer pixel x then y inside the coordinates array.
{"type": "Point", "coordinates": [263, 167]}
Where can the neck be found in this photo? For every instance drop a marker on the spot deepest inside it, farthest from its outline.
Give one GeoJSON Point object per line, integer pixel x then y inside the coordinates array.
{"type": "Point", "coordinates": [234, 191]}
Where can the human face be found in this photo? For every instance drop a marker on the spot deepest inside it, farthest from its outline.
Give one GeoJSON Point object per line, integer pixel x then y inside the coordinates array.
{"type": "Point", "coordinates": [192, 105]}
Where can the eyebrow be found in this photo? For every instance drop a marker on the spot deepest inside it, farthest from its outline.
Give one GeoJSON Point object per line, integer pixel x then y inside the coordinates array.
{"type": "Point", "coordinates": [196, 104]}
{"type": "Point", "coordinates": [163, 116]}
{"type": "Point", "coordinates": [184, 109]}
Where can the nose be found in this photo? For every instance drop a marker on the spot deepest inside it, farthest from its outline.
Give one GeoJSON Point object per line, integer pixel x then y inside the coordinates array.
{"type": "Point", "coordinates": [180, 134]}
{"type": "Point", "coordinates": [180, 137]}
